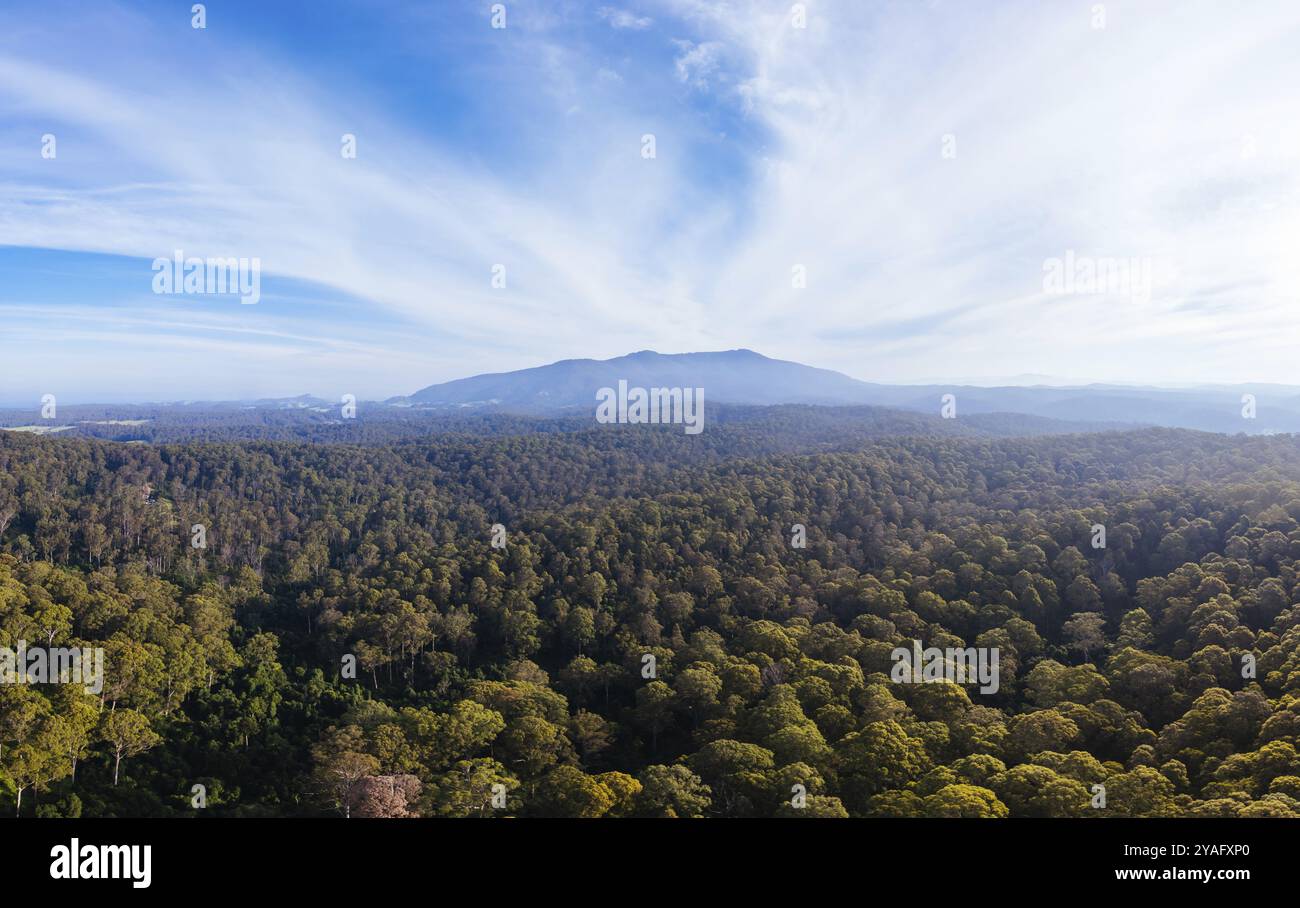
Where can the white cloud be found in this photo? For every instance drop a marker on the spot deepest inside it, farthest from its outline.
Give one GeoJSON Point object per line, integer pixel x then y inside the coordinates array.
{"type": "Point", "coordinates": [1129, 141]}
{"type": "Point", "coordinates": [623, 19]}
{"type": "Point", "coordinates": [1121, 142]}
{"type": "Point", "coordinates": [697, 63]}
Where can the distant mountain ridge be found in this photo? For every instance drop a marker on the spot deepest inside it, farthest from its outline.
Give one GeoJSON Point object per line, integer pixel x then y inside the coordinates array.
{"type": "Point", "coordinates": [745, 377]}
{"type": "Point", "coordinates": [728, 376]}
{"type": "Point", "coordinates": [566, 390]}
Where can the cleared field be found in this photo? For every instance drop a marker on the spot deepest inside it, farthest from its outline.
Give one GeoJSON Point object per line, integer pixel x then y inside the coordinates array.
{"type": "Point", "coordinates": [37, 430]}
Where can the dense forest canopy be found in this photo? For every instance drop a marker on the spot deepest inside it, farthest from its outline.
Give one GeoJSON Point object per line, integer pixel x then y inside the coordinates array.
{"type": "Point", "coordinates": [647, 638]}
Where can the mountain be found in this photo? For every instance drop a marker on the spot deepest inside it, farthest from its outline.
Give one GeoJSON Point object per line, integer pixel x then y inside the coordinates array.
{"type": "Point", "coordinates": [746, 377]}
{"type": "Point", "coordinates": [729, 376]}
{"type": "Point", "coordinates": [566, 391]}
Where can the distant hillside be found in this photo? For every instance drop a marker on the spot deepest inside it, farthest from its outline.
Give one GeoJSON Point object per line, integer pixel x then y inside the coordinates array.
{"type": "Point", "coordinates": [562, 397]}
{"type": "Point", "coordinates": [730, 376]}
{"type": "Point", "coordinates": [746, 377]}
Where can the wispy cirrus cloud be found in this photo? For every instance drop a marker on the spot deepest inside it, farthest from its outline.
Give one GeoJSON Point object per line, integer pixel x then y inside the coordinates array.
{"type": "Point", "coordinates": [1167, 135]}
{"type": "Point", "coordinates": [1162, 135]}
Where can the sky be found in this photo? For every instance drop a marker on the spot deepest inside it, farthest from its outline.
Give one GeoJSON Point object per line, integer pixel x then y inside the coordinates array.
{"type": "Point", "coordinates": [889, 188]}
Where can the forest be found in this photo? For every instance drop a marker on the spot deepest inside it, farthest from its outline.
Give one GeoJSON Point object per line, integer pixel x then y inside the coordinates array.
{"type": "Point", "coordinates": [522, 619]}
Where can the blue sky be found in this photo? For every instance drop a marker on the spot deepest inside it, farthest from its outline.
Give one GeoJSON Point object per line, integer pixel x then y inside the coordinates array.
{"type": "Point", "coordinates": [919, 161]}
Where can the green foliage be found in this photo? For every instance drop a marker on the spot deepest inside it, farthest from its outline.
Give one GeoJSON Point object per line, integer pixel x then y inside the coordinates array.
{"type": "Point", "coordinates": [514, 682]}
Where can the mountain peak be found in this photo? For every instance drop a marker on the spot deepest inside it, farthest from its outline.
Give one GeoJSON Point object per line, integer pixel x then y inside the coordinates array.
{"type": "Point", "coordinates": [743, 376]}
{"type": "Point", "coordinates": [740, 376]}
{"type": "Point", "coordinates": [738, 352]}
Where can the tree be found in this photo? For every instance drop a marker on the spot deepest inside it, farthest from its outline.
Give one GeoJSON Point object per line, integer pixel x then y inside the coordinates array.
{"type": "Point", "coordinates": [1038, 791]}
{"type": "Point", "coordinates": [654, 705]}
{"type": "Point", "coordinates": [737, 773]}
{"type": "Point", "coordinates": [342, 768]}
{"type": "Point", "coordinates": [591, 733]}
{"type": "Point", "coordinates": [879, 757]}
{"type": "Point", "coordinates": [965, 801]}
{"type": "Point", "coordinates": [386, 797]}
{"type": "Point", "coordinates": [128, 734]}
{"type": "Point", "coordinates": [672, 791]}
{"type": "Point", "coordinates": [568, 792]}
{"type": "Point", "coordinates": [1086, 632]}
{"type": "Point", "coordinates": [472, 788]}
{"type": "Point", "coordinates": [1044, 729]}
